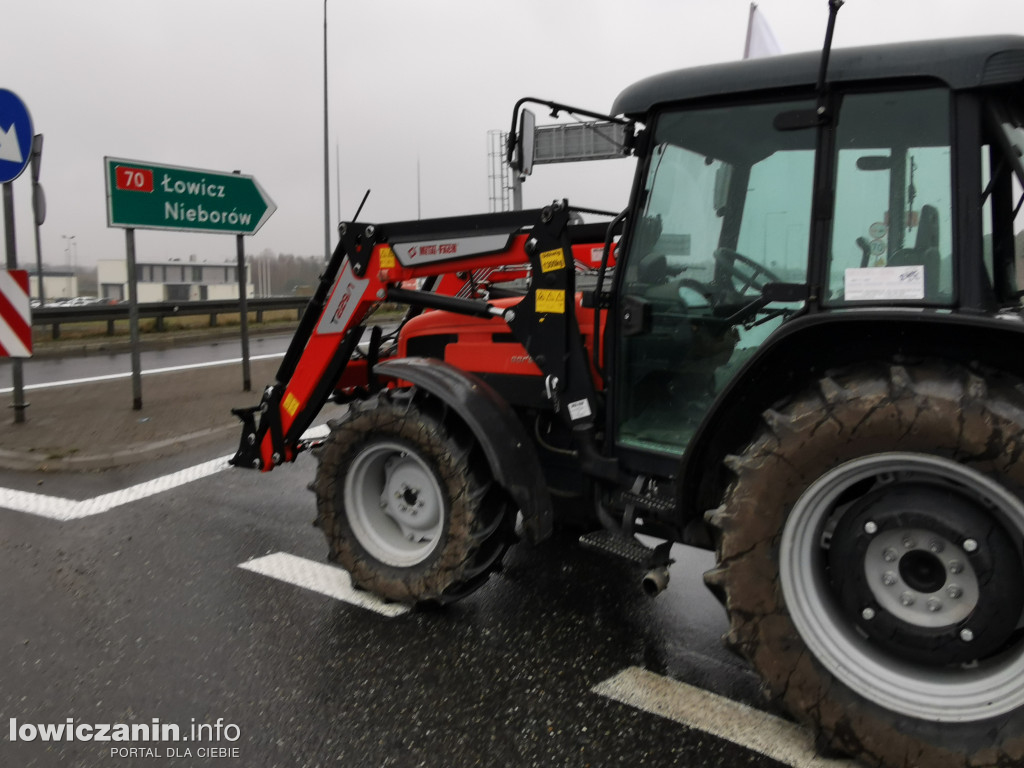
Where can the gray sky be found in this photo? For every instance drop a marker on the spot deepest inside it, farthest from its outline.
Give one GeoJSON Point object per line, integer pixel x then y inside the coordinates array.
{"type": "Point", "coordinates": [237, 84]}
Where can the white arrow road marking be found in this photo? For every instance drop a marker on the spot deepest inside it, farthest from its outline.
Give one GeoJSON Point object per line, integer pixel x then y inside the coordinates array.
{"type": "Point", "coordinates": [320, 577]}
{"type": "Point", "coordinates": [59, 508]}
{"type": "Point", "coordinates": [744, 726]}
{"type": "Point", "coordinates": [9, 148]}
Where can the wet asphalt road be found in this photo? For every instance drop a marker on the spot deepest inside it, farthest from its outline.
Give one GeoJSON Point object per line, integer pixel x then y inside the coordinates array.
{"type": "Point", "coordinates": [142, 612]}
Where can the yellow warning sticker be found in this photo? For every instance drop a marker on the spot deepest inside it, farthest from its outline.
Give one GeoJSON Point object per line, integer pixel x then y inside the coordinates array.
{"type": "Point", "coordinates": [290, 404]}
{"type": "Point", "coordinates": [387, 258]}
{"type": "Point", "coordinates": [552, 260]}
{"type": "Point", "coordinates": [550, 301]}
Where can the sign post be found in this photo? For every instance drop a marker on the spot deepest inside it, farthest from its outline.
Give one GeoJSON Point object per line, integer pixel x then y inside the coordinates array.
{"type": "Point", "coordinates": [38, 212]}
{"type": "Point", "coordinates": [133, 320]}
{"type": "Point", "coordinates": [243, 311]}
{"type": "Point", "coordinates": [142, 195]}
{"type": "Point", "coordinates": [15, 153]}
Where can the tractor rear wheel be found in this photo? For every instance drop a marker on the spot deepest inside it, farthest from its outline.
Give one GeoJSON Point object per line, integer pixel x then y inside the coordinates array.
{"type": "Point", "coordinates": [871, 560]}
{"type": "Point", "coordinates": [408, 503]}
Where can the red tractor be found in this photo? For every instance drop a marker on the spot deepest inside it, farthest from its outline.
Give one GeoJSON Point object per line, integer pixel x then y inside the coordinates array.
{"type": "Point", "coordinates": [796, 349]}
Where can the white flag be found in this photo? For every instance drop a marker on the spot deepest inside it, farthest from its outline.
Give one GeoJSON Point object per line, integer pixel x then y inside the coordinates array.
{"type": "Point", "coordinates": [760, 38]}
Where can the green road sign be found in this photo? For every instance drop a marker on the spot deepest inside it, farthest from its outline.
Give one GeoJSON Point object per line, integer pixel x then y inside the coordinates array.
{"type": "Point", "coordinates": [146, 196]}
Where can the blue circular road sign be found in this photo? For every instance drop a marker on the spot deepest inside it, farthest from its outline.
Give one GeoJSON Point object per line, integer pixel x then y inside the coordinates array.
{"type": "Point", "coordinates": [15, 136]}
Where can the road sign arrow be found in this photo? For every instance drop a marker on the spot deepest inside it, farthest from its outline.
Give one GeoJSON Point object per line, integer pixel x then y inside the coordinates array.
{"type": "Point", "coordinates": [15, 136]}
{"type": "Point", "coordinates": [9, 149]}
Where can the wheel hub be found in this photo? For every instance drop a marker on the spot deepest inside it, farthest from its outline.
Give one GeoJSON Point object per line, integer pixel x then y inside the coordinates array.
{"type": "Point", "coordinates": [920, 578]}
{"type": "Point", "coordinates": [408, 499]}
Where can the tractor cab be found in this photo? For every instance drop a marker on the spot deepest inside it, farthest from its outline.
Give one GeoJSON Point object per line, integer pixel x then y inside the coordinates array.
{"type": "Point", "coordinates": [758, 202]}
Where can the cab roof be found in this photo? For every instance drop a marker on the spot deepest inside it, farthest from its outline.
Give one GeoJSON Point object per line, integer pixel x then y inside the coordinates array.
{"type": "Point", "coordinates": [960, 63]}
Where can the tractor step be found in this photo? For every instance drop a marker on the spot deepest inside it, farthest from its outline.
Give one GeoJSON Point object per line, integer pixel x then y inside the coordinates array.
{"type": "Point", "coordinates": [620, 546]}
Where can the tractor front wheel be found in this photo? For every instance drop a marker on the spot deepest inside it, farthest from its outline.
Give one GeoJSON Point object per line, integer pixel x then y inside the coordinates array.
{"type": "Point", "coordinates": [407, 501]}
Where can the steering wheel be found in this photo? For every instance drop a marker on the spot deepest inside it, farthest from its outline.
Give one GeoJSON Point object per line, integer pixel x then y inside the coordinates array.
{"type": "Point", "coordinates": [757, 277]}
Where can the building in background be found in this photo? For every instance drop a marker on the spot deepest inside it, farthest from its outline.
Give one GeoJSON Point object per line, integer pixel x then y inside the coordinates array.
{"type": "Point", "coordinates": [173, 280]}
{"type": "Point", "coordinates": [58, 283]}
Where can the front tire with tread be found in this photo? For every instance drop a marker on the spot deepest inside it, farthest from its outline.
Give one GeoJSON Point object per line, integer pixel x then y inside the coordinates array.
{"type": "Point", "coordinates": [407, 501]}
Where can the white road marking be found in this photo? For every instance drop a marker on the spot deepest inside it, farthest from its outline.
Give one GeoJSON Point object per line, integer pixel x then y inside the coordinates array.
{"type": "Point", "coordinates": [60, 508]}
{"type": "Point", "coordinates": [320, 577]}
{"type": "Point", "coordinates": [127, 374]}
{"type": "Point", "coordinates": [693, 707]}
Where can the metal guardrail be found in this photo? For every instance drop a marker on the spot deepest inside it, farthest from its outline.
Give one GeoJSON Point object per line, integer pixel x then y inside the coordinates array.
{"type": "Point", "coordinates": [161, 310]}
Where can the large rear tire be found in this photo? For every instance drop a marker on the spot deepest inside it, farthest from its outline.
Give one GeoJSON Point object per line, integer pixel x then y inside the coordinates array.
{"type": "Point", "coordinates": [407, 501]}
{"type": "Point", "coordinates": [871, 560]}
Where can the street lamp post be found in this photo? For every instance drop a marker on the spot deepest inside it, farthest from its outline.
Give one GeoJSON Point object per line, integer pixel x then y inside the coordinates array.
{"type": "Point", "coordinates": [68, 250]}
{"type": "Point", "coordinates": [327, 167]}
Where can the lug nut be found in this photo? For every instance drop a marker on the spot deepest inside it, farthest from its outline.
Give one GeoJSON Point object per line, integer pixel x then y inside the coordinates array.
{"type": "Point", "coordinates": [954, 591]}
{"type": "Point", "coordinates": [907, 599]}
{"type": "Point", "coordinates": [909, 543]}
{"type": "Point", "coordinates": [889, 578]}
{"type": "Point", "coordinates": [970, 545]}
{"type": "Point", "coordinates": [934, 604]}
{"type": "Point", "coordinates": [936, 546]}
{"type": "Point", "coordinates": [966, 635]}
{"type": "Point", "coordinates": [871, 527]}
{"type": "Point", "coordinates": [955, 567]}
{"type": "Point", "coordinates": [890, 555]}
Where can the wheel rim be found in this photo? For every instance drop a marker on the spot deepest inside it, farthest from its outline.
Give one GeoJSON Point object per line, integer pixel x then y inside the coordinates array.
{"type": "Point", "coordinates": [394, 504]}
{"type": "Point", "coordinates": [950, 693]}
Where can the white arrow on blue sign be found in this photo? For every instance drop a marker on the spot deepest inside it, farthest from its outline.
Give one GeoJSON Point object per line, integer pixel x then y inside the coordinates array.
{"type": "Point", "coordinates": [15, 136]}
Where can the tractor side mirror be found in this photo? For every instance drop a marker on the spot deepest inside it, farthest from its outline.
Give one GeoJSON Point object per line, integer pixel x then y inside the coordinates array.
{"type": "Point", "coordinates": [523, 160]}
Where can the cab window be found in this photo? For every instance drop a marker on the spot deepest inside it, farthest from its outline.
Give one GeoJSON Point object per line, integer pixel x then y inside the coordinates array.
{"type": "Point", "coordinates": [892, 234]}
{"type": "Point", "coordinates": [1002, 197]}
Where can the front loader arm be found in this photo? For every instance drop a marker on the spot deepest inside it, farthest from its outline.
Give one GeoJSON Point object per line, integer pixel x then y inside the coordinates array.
{"type": "Point", "coordinates": [375, 263]}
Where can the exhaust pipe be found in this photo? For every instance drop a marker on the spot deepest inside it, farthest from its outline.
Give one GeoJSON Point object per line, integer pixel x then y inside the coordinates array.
{"type": "Point", "coordinates": [655, 581]}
